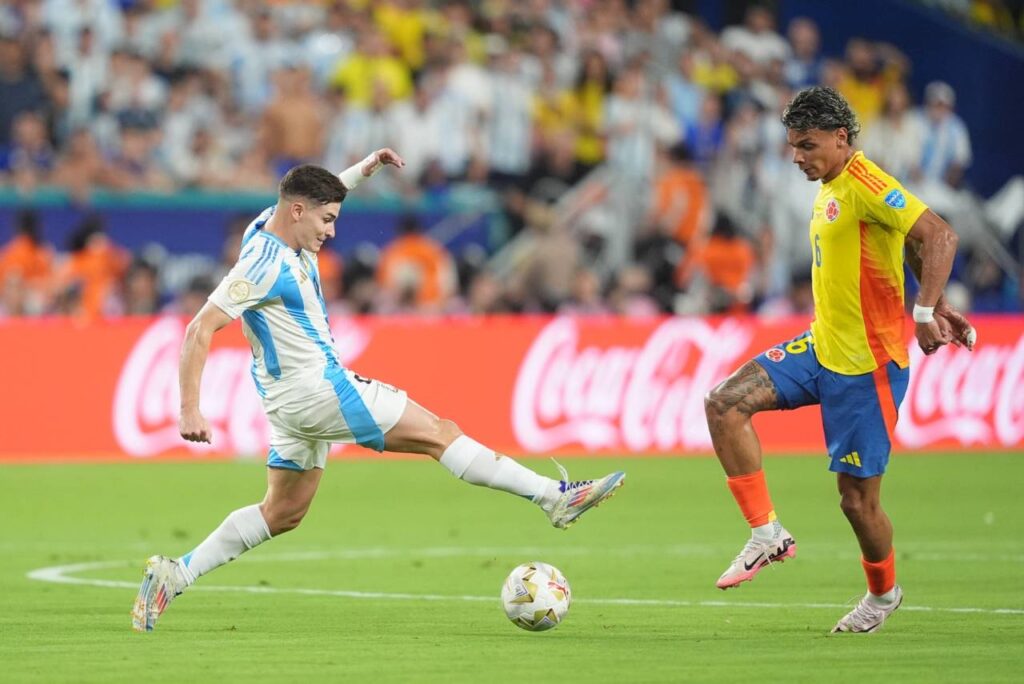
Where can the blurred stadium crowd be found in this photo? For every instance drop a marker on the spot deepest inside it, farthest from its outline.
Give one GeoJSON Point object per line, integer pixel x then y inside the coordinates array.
{"type": "Point", "coordinates": [636, 155]}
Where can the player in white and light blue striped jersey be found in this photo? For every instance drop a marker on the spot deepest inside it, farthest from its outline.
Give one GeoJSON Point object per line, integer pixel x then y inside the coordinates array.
{"type": "Point", "coordinates": [311, 400]}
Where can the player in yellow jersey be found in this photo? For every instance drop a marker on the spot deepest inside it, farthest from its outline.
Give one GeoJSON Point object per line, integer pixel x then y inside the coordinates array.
{"type": "Point", "coordinates": [853, 361]}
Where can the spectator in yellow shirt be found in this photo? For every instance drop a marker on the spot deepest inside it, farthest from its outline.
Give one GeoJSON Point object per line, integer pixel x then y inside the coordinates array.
{"type": "Point", "coordinates": [371, 63]}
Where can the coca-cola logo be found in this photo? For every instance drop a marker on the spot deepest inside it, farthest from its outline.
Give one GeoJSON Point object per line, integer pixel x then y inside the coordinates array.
{"type": "Point", "coordinates": [644, 398]}
{"type": "Point", "coordinates": [572, 391]}
{"type": "Point", "coordinates": [968, 397]}
{"type": "Point", "coordinates": [147, 398]}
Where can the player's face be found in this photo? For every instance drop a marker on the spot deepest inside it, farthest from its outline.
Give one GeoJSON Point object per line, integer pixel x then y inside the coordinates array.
{"type": "Point", "coordinates": [819, 154]}
{"type": "Point", "coordinates": [316, 225]}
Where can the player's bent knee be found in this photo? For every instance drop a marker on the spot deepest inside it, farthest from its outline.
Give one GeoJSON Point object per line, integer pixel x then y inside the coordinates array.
{"type": "Point", "coordinates": [711, 407]}
{"type": "Point", "coordinates": [717, 409]}
{"type": "Point", "coordinates": [856, 506]}
{"type": "Point", "coordinates": [850, 507]}
{"type": "Point", "coordinates": [421, 432]}
{"type": "Point", "coordinates": [283, 524]}
{"type": "Point", "coordinates": [447, 432]}
{"type": "Point", "coordinates": [436, 439]}
{"type": "Point", "coordinates": [282, 518]}
{"type": "Point", "coordinates": [858, 500]}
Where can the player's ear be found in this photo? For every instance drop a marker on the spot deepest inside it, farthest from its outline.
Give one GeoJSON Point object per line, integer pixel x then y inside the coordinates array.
{"type": "Point", "coordinates": [842, 135]}
{"type": "Point", "coordinates": [297, 209]}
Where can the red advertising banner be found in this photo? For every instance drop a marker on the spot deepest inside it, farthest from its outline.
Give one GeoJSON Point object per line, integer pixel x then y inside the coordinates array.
{"type": "Point", "coordinates": [519, 384]}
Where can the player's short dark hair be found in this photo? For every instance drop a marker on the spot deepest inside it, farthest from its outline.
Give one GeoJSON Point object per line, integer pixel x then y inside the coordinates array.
{"type": "Point", "coordinates": [314, 183]}
{"type": "Point", "coordinates": [821, 108]}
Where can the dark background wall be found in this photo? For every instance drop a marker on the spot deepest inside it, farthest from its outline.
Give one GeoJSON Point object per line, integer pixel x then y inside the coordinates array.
{"type": "Point", "coordinates": [198, 222]}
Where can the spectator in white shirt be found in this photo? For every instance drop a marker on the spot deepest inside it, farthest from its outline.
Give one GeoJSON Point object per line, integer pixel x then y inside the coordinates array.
{"type": "Point", "coordinates": [635, 123]}
{"type": "Point", "coordinates": [945, 156]}
{"type": "Point", "coordinates": [947, 145]}
{"type": "Point", "coordinates": [757, 37]}
{"type": "Point", "coordinates": [68, 18]}
{"type": "Point", "coordinates": [510, 120]}
{"type": "Point", "coordinates": [413, 123]}
{"type": "Point", "coordinates": [88, 70]}
{"type": "Point", "coordinates": [895, 140]}
{"type": "Point", "coordinates": [261, 56]}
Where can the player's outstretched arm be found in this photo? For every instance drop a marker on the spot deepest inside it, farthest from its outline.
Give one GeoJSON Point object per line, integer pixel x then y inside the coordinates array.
{"type": "Point", "coordinates": [937, 248]}
{"type": "Point", "coordinates": [194, 351]}
{"type": "Point", "coordinates": [374, 162]}
{"type": "Point", "coordinates": [960, 330]}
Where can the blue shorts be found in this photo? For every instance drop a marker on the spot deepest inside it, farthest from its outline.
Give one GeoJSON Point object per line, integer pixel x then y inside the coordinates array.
{"type": "Point", "coordinates": [858, 412]}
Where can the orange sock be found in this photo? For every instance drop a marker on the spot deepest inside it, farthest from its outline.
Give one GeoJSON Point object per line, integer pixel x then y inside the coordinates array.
{"type": "Point", "coordinates": [881, 575]}
{"type": "Point", "coordinates": [751, 493]}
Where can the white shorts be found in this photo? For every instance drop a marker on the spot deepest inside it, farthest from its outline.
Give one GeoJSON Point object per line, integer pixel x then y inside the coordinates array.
{"type": "Point", "coordinates": [342, 407]}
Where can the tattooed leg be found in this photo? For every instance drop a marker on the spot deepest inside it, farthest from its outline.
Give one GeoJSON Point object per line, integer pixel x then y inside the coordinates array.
{"type": "Point", "coordinates": [729, 407]}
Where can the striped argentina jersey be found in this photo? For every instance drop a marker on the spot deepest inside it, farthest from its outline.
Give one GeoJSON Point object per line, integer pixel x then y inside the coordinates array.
{"type": "Point", "coordinates": [276, 291]}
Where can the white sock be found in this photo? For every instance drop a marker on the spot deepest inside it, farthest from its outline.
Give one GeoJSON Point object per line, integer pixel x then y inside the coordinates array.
{"type": "Point", "coordinates": [767, 532]}
{"type": "Point", "coordinates": [241, 530]}
{"type": "Point", "coordinates": [887, 597]}
{"type": "Point", "coordinates": [474, 463]}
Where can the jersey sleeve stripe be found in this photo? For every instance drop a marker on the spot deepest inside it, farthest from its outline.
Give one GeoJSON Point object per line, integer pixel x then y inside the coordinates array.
{"type": "Point", "coordinates": [863, 169]}
{"type": "Point", "coordinates": [874, 188]}
{"type": "Point", "coordinates": [255, 267]}
{"type": "Point", "coordinates": [865, 172]}
{"type": "Point", "coordinates": [271, 257]}
{"type": "Point", "coordinates": [873, 183]}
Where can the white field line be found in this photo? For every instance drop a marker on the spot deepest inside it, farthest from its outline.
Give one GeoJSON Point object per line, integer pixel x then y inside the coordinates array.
{"type": "Point", "coordinates": [62, 574]}
{"type": "Point", "coordinates": [819, 552]}
{"type": "Point", "coordinates": [681, 551]}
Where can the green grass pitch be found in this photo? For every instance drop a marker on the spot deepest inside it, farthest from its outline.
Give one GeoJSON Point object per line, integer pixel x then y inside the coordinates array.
{"type": "Point", "coordinates": [346, 597]}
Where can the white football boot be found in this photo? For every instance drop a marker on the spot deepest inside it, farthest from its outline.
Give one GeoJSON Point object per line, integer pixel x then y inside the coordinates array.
{"type": "Point", "coordinates": [575, 498]}
{"type": "Point", "coordinates": [869, 614]}
{"type": "Point", "coordinates": [161, 582]}
{"type": "Point", "coordinates": [757, 554]}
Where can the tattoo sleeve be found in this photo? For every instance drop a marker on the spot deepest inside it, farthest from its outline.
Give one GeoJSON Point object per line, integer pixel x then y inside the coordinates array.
{"type": "Point", "coordinates": [748, 390]}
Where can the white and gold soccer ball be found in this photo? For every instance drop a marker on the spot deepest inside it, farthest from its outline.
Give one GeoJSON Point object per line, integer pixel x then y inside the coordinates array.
{"type": "Point", "coordinates": [536, 596]}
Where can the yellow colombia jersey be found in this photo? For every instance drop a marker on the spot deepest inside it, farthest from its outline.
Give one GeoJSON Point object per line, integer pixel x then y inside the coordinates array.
{"type": "Point", "coordinates": [860, 221]}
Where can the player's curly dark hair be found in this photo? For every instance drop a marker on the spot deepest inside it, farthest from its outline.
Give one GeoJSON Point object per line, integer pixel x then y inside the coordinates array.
{"type": "Point", "coordinates": [313, 183]}
{"type": "Point", "coordinates": [821, 108]}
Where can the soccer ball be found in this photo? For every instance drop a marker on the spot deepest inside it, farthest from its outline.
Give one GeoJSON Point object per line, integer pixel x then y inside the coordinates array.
{"type": "Point", "coordinates": [536, 596]}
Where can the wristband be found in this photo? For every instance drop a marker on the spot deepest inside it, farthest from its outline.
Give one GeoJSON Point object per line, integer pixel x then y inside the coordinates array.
{"type": "Point", "coordinates": [924, 314]}
{"type": "Point", "coordinates": [353, 175]}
